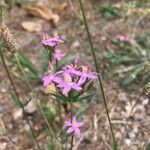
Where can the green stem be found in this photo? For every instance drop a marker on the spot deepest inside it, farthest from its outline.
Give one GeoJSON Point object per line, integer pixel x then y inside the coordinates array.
{"type": "Point", "coordinates": [60, 125]}
{"type": "Point", "coordinates": [17, 95]}
{"type": "Point", "coordinates": [98, 71]}
{"type": "Point", "coordinates": [72, 137]}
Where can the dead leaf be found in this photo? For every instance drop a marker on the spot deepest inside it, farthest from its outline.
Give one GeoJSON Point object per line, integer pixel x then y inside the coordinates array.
{"type": "Point", "coordinates": [50, 88]}
{"type": "Point", "coordinates": [39, 10]}
{"type": "Point", "coordinates": [31, 26]}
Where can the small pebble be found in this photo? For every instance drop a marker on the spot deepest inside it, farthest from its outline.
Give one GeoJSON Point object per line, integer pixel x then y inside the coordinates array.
{"type": "Point", "coordinates": [3, 90]}
{"type": "Point", "coordinates": [145, 101]}
{"type": "Point", "coordinates": [31, 107]}
{"type": "Point", "coordinates": [18, 114]}
{"type": "Point", "coordinates": [128, 141]}
{"type": "Point", "coordinates": [76, 44]}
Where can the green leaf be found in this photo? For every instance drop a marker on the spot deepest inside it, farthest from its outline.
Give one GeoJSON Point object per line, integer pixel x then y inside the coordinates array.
{"type": "Point", "coordinates": [59, 96]}
{"type": "Point", "coordinates": [109, 12]}
{"type": "Point", "coordinates": [32, 136]}
{"type": "Point", "coordinates": [148, 147]}
{"type": "Point", "coordinates": [115, 58]}
{"type": "Point", "coordinates": [51, 146]}
{"type": "Point", "coordinates": [132, 75]}
{"type": "Point", "coordinates": [44, 59]}
{"type": "Point", "coordinates": [114, 145]}
{"type": "Point", "coordinates": [89, 96]}
{"type": "Point", "coordinates": [17, 101]}
{"type": "Point", "coordinates": [50, 112]}
{"type": "Point", "coordinates": [27, 64]}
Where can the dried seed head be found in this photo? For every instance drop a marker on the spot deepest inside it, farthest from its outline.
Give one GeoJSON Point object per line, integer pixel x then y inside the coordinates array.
{"type": "Point", "coordinates": [8, 38]}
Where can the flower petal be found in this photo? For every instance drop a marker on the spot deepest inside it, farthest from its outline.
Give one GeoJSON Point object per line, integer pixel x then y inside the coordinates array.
{"type": "Point", "coordinates": [66, 89]}
{"type": "Point", "coordinates": [74, 119]}
{"type": "Point", "coordinates": [68, 124]}
{"type": "Point", "coordinates": [57, 80]}
{"type": "Point", "coordinates": [46, 81]}
{"type": "Point", "coordinates": [81, 80]}
{"type": "Point", "coordinates": [76, 86]}
{"type": "Point", "coordinates": [70, 130]}
{"type": "Point", "coordinates": [80, 124]}
{"type": "Point", "coordinates": [77, 132]}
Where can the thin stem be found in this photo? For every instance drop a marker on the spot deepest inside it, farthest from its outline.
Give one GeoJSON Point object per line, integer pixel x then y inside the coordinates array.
{"type": "Point", "coordinates": [60, 124]}
{"type": "Point", "coordinates": [71, 111]}
{"type": "Point", "coordinates": [59, 113]}
{"type": "Point", "coordinates": [39, 104]}
{"type": "Point", "coordinates": [17, 95]}
{"type": "Point", "coordinates": [98, 71]}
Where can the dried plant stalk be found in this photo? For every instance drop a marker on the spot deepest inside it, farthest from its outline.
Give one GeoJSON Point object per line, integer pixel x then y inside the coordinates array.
{"type": "Point", "coordinates": [7, 38]}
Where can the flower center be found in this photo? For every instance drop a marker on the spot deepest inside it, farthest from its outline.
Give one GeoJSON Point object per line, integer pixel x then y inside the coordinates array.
{"type": "Point", "coordinates": [74, 124]}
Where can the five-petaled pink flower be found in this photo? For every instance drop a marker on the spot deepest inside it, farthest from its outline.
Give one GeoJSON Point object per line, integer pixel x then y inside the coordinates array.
{"type": "Point", "coordinates": [74, 126]}
{"type": "Point", "coordinates": [51, 42]}
{"type": "Point", "coordinates": [58, 55]}
{"type": "Point", "coordinates": [48, 79]}
{"type": "Point", "coordinates": [123, 38]}
{"type": "Point", "coordinates": [67, 86]}
{"type": "Point", "coordinates": [84, 75]}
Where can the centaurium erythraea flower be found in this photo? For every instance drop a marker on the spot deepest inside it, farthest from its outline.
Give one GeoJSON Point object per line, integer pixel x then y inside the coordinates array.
{"type": "Point", "coordinates": [58, 55]}
{"type": "Point", "coordinates": [123, 38]}
{"type": "Point", "coordinates": [51, 42]}
{"type": "Point", "coordinates": [66, 86]}
{"type": "Point", "coordinates": [74, 126]}
{"type": "Point", "coordinates": [49, 78]}
{"type": "Point", "coordinates": [84, 75]}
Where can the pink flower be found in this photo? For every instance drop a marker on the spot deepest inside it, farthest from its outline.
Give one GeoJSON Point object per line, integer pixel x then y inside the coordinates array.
{"type": "Point", "coordinates": [70, 70]}
{"type": "Point", "coordinates": [123, 38]}
{"type": "Point", "coordinates": [51, 42]}
{"type": "Point", "coordinates": [74, 126]}
{"type": "Point", "coordinates": [48, 79]}
{"type": "Point", "coordinates": [84, 75]}
{"type": "Point", "coordinates": [67, 86]}
{"type": "Point", "coordinates": [58, 55]}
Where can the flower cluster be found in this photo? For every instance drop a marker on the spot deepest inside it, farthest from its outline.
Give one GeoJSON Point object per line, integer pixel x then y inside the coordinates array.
{"type": "Point", "coordinates": [51, 42]}
{"type": "Point", "coordinates": [71, 77]}
{"type": "Point", "coordinates": [68, 79]}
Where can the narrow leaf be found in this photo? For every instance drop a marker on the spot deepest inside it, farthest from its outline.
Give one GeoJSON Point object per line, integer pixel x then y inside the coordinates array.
{"type": "Point", "coordinates": [26, 63]}
{"type": "Point", "coordinates": [16, 100]}
{"type": "Point", "coordinates": [132, 75]}
{"type": "Point", "coordinates": [89, 96]}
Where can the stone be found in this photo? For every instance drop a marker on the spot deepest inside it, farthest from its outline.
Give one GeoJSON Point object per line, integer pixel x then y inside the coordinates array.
{"type": "Point", "coordinates": [31, 107]}
{"type": "Point", "coordinates": [18, 114]}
